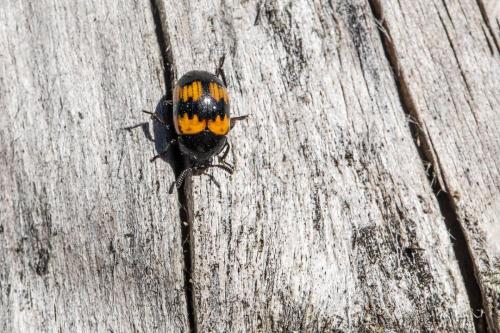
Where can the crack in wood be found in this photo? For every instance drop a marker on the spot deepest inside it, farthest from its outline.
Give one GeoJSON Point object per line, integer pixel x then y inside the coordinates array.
{"type": "Point", "coordinates": [464, 78]}
{"type": "Point", "coordinates": [452, 47]}
{"type": "Point", "coordinates": [185, 195]}
{"type": "Point", "coordinates": [482, 9]}
{"type": "Point", "coordinates": [431, 164]}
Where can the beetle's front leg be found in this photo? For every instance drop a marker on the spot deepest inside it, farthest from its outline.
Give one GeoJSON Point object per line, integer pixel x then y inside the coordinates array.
{"type": "Point", "coordinates": [219, 71]}
{"type": "Point", "coordinates": [155, 117]}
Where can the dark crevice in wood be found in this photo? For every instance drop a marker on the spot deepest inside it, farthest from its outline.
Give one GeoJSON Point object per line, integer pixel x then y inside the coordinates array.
{"type": "Point", "coordinates": [185, 191]}
{"type": "Point", "coordinates": [431, 163]}
{"type": "Point", "coordinates": [464, 78]}
{"type": "Point", "coordinates": [185, 195]}
{"type": "Point", "coordinates": [486, 20]}
{"type": "Point", "coordinates": [490, 47]}
{"type": "Point", "coordinates": [447, 12]}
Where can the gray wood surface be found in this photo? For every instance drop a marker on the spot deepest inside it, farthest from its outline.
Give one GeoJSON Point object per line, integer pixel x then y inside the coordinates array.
{"type": "Point", "coordinates": [491, 16]}
{"type": "Point", "coordinates": [371, 144]}
{"type": "Point", "coordinates": [330, 221]}
{"type": "Point", "coordinates": [451, 69]}
{"type": "Point", "coordinates": [89, 238]}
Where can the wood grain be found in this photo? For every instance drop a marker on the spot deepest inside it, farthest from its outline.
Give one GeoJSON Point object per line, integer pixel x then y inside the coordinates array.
{"type": "Point", "coordinates": [89, 238]}
{"type": "Point", "coordinates": [329, 223]}
{"type": "Point", "coordinates": [490, 11]}
{"type": "Point", "coordinates": [452, 74]}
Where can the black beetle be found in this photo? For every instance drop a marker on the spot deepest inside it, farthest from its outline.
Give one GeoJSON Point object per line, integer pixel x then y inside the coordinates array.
{"type": "Point", "coordinates": [202, 121]}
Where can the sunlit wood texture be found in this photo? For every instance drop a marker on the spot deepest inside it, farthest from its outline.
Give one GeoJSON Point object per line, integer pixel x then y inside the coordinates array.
{"type": "Point", "coordinates": [492, 12]}
{"type": "Point", "coordinates": [89, 239]}
{"type": "Point", "coordinates": [450, 69]}
{"type": "Point", "coordinates": [370, 147]}
{"type": "Point", "coordinates": [330, 221]}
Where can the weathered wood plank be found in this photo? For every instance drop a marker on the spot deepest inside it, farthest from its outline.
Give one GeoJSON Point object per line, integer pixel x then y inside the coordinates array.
{"type": "Point", "coordinates": [490, 9]}
{"type": "Point", "coordinates": [89, 238]}
{"type": "Point", "coordinates": [452, 74]}
{"type": "Point", "coordinates": [329, 222]}
{"type": "Point", "coordinates": [493, 9]}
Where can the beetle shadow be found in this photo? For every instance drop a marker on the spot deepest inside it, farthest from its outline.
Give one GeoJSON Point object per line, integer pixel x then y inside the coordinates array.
{"type": "Point", "coordinates": [162, 135]}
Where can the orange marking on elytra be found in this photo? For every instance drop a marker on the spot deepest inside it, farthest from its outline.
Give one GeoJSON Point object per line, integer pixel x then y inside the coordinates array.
{"type": "Point", "coordinates": [196, 91]}
{"type": "Point", "coordinates": [200, 88]}
{"type": "Point", "coordinates": [219, 126]}
{"type": "Point", "coordinates": [188, 125]}
{"type": "Point", "coordinates": [216, 92]}
{"type": "Point", "coordinates": [225, 96]}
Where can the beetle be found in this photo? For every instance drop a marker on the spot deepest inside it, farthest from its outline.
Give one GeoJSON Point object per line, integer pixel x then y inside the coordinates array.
{"type": "Point", "coordinates": [202, 121]}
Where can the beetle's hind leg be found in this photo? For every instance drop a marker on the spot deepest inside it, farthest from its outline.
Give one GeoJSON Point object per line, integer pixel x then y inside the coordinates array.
{"type": "Point", "coordinates": [222, 159]}
{"type": "Point", "coordinates": [212, 178]}
{"type": "Point", "coordinates": [226, 167]}
{"type": "Point", "coordinates": [180, 180]}
{"type": "Point", "coordinates": [225, 149]}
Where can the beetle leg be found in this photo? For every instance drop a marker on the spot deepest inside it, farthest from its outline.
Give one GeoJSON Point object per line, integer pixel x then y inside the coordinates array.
{"type": "Point", "coordinates": [228, 168]}
{"type": "Point", "coordinates": [234, 120]}
{"type": "Point", "coordinates": [155, 117]}
{"type": "Point", "coordinates": [173, 141]}
{"type": "Point", "coordinates": [222, 159]}
{"type": "Point", "coordinates": [219, 71]}
{"type": "Point", "coordinates": [171, 189]}
{"type": "Point", "coordinates": [182, 175]}
{"type": "Point", "coordinates": [212, 178]}
{"type": "Point", "coordinates": [226, 149]}
{"type": "Point", "coordinates": [168, 102]}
